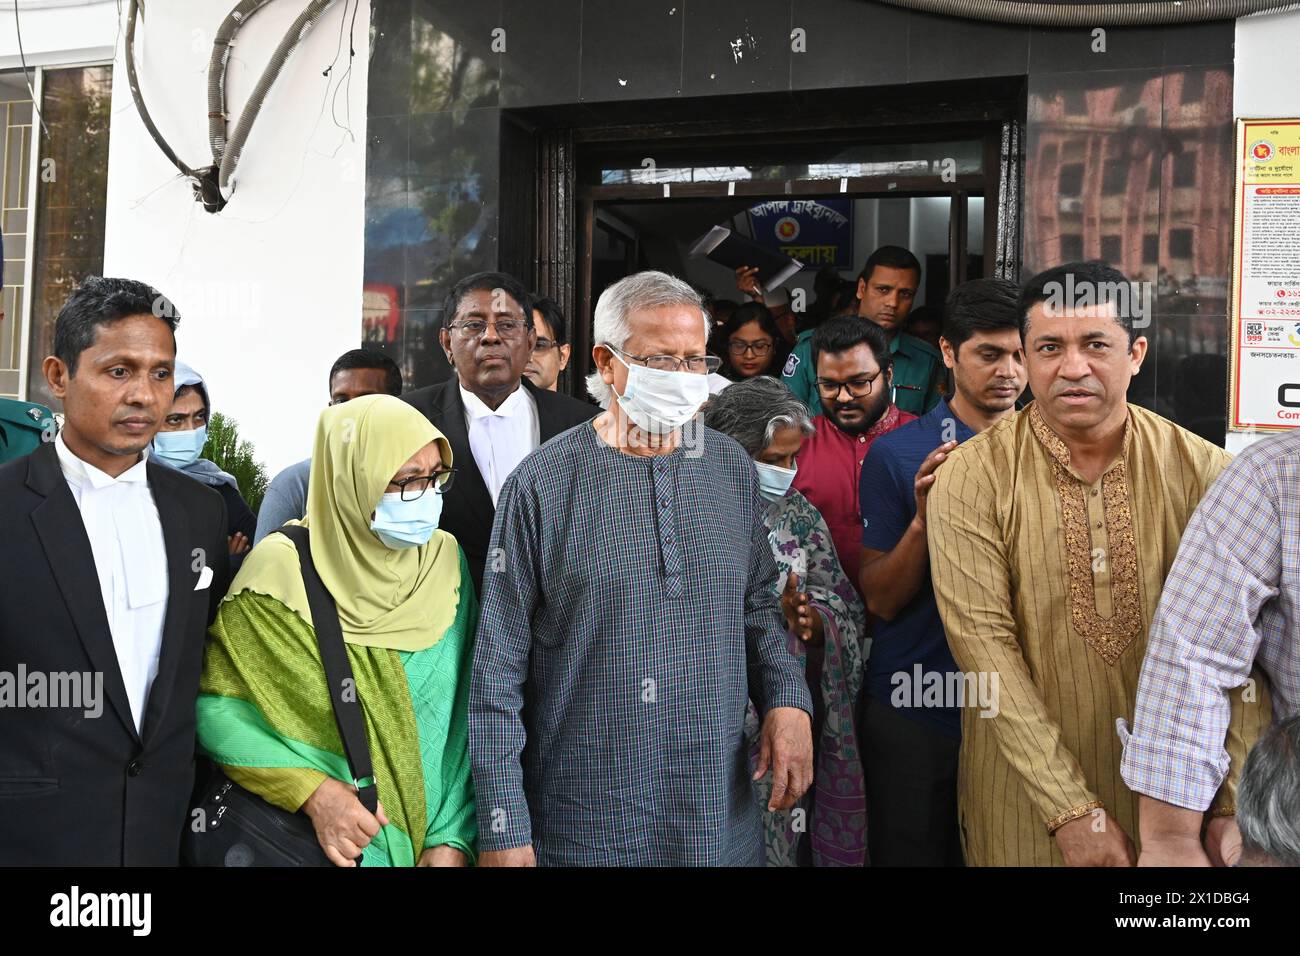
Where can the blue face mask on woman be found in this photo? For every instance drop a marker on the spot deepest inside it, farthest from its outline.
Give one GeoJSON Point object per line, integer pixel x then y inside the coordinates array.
{"type": "Point", "coordinates": [774, 481]}
{"type": "Point", "coordinates": [179, 449]}
{"type": "Point", "coordinates": [407, 524]}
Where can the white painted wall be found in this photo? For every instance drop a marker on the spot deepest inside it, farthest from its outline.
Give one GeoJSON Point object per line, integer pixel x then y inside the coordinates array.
{"type": "Point", "coordinates": [1265, 82]}
{"type": "Point", "coordinates": [1266, 70]}
{"type": "Point", "coordinates": [269, 290]}
{"type": "Point", "coordinates": [57, 33]}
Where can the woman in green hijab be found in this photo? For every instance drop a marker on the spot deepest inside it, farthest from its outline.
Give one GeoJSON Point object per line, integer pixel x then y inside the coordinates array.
{"type": "Point", "coordinates": [407, 612]}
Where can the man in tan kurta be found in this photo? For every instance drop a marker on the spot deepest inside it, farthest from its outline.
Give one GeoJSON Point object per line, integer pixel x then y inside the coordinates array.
{"type": "Point", "coordinates": [1050, 537]}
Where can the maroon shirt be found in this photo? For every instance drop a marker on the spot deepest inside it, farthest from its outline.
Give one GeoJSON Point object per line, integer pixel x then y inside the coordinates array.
{"type": "Point", "coordinates": [830, 464]}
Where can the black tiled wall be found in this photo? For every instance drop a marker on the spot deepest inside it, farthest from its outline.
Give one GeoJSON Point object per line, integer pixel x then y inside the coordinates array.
{"type": "Point", "coordinates": [1142, 116]}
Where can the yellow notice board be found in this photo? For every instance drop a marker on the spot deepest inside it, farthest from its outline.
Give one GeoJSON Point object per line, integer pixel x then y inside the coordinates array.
{"type": "Point", "coordinates": [1264, 390]}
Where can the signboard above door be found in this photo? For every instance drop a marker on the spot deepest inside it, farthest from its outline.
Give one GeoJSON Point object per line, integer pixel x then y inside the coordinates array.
{"type": "Point", "coordinates": [817, 232]}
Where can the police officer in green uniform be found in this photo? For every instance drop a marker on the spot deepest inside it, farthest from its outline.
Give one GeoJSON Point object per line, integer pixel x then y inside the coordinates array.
{"type": "Point", "coordinates": [886, 291]}
{"type": "Point", "coordinates": [23, 425]}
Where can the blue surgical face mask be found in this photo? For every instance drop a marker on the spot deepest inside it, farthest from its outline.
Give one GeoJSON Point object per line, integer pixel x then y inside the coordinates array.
{"type": "Point", "coordinates": [179, 449]}
{"type": "Point", "coordinates": [774, 482]}
{"type": "Point", "coordinates": [407, 524]}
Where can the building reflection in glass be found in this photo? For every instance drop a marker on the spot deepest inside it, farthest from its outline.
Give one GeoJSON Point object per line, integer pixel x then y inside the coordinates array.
{"type": "Point", "coordinates": [1135, 167]}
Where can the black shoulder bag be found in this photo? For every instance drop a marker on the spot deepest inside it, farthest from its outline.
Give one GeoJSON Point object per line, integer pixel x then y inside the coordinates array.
{"type": "Point", "coordinates": [231, 826]}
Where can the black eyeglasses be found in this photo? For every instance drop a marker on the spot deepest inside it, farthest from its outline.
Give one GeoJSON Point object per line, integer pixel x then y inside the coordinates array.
{"type": "Point", "coordinates": [858, 387]}
{"type": "Point", "coordinates": [545, 345]}
{"type": "Point", "coordinates": [506, 328]}
{"type": "Point", "coordinates": [414, 487]}
{"type": "Point", "coordinates": [740, 347]}
{"type": "Point", "coordinates": [699, 364]}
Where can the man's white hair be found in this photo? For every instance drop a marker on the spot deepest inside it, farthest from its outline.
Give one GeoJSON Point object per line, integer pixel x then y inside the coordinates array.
{"type": "Point", "coordinates": [639, 291]}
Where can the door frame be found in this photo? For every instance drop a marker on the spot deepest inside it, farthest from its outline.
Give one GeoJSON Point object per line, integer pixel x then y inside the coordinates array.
{"type": "Point", "coordinates": [568, 141]}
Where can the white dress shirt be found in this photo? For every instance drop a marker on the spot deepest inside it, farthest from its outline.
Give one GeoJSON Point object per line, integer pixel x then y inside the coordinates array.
{"type": "Point", "coordinates": [126, 539]}
{"type": "Point", "coordinates": [503, 437]}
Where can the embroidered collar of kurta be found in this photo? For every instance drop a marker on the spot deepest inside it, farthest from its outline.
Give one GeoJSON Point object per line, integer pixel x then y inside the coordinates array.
{"type": "Point", "coordinates": [1097, 521]}
{"type": "Point", "coordinates": [887, 422]}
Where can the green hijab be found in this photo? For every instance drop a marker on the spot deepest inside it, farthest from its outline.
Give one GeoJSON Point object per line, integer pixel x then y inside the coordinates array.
{"type": "Point", "coordinates": [399, 598]}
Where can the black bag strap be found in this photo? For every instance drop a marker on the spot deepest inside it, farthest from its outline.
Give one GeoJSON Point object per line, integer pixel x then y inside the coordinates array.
{"type": "Point", "coordinates": [338, 672]}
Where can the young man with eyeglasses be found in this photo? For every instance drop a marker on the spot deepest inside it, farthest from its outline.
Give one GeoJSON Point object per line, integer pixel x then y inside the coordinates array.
{"type": "Point", "coordinates": [492, 416]}
{"type": "Point", "coordinates": [551, 353]}
{"type": "Point", "coordinates": [886, 289]}
{"type": "Point", "coordinates": [855, 384]}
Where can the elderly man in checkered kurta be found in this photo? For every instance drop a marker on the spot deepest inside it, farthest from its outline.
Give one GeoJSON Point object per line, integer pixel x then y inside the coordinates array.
{"type": "Point", "coordinates": [628, 615]}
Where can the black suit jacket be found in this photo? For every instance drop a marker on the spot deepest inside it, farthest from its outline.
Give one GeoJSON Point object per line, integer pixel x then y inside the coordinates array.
{"type": "Point", "coordinates": [468, 511]}
{"type": "Point", "coordinates": [78, 790]}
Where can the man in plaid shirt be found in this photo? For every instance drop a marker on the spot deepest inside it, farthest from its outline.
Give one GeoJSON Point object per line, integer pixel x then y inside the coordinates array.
{"type": "Point", "coordinates": [1229, 606]}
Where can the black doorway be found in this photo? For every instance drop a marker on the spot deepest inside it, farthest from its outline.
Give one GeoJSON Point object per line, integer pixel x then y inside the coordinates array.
{"type": "Point", "coordinates": [601, 199]}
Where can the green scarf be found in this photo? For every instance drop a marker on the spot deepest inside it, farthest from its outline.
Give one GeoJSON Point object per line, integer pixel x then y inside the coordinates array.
{"type": "Point", "coordinates": [264, 711]}
{"type": "Point", "coordinates": [386, 597]}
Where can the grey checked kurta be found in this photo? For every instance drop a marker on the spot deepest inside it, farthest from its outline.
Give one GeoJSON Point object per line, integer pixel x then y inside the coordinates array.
{"type": "Point", "coordinates": [627, 617]}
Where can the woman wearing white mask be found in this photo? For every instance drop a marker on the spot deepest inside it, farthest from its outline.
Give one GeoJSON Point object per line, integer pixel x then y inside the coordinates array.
{"type": "Point", "coordinates": [407, 613]}
{"type": "Point", "coordinates": [825, 618]}
{"type": "Point", "coordinates": [179, 443]}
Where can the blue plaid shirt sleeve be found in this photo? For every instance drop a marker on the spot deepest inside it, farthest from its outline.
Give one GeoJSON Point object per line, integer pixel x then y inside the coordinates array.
{"type": "Point", "coordinates": [776, 678]}
{"type": "Point", "coordinates": [501, 653]}
{"type": "Point", "coordinates": [1204, 640]}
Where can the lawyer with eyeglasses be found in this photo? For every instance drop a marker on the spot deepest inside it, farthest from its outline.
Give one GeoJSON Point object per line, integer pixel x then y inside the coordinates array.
{"type": "Point", "coordinates": [492, 416]}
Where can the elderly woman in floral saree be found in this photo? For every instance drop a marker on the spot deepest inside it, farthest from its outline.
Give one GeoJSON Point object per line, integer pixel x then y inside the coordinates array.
{"type": "Point", "coordinates": [407, 612]}
{"type": "Point", "coordinates": [826, 628]}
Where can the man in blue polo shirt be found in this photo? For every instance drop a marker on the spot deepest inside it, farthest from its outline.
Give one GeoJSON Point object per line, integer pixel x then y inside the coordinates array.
{"type": "Point", "coordinates": [911, 724]}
